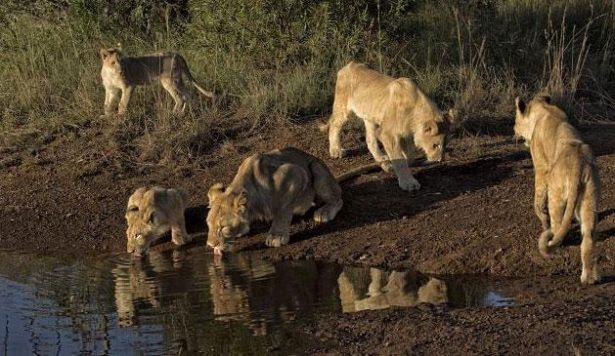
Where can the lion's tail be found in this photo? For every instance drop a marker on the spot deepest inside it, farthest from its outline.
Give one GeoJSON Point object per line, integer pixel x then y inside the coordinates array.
{"type": "Point", "coordinates": [357, 172]}
{"type": "Point", "coordinates": [543, 243]}
{"type": "Point", "coordinates": [186, 72]}
{"type": "Point", "coordinates": [548, 239]}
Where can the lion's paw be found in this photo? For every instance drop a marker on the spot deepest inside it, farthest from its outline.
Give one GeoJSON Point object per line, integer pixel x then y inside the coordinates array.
{"type": "Point", "coordinates": [386, 166]}
{"type": "Point", "coordinates": [590, 277]}
{"type": "Point", "coordinates": [276, 240]}
{"type": "Point", "coordinates": [554, 243]}
{"type": "Point", "coordinates": [409, 184]}
{"type": "Point", "coordinates": [321, 216]}
{"type": "Point", "coordinates": [180, 239]}
{"type": "Point", "coordinates": [337, 152]}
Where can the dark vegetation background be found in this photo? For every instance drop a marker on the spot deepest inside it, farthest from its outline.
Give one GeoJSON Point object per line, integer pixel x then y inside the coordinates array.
{"type": "Point", "coordinates": [272, 60]}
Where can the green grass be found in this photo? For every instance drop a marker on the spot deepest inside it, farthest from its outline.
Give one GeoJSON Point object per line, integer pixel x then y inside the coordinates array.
{"type": "Point", "coordinates": [276, 60]}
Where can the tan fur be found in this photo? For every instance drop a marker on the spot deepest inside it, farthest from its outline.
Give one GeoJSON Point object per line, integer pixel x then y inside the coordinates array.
{"type": "Point", "coordinates": [141, 281]}
{"type": "Point", "coordinates": [150, 213]}
{"type": "Point", "coordinates": [388, 289]}
{"type": "Point", "coordinates": [271, 186]}
{"type": "Point", "coordinates": [229, 286]}
{"type": "Point", "coordinates": [396, 113]}
{"type": "Point", "coordinates": [121, 73]}
{"type": "Point", "coordinates": [566, 182]}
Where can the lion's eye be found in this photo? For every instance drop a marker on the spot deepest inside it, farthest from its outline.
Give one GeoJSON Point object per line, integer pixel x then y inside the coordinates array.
{"type": "Point", "coordinates": [436, 146]}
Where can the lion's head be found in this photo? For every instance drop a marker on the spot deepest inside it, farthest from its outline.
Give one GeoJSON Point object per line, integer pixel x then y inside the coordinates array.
{"type": "Point", "coordinates": [432, 135]}
{"type": "Point", "coordinates": [430, 125]}
{"type": "Point", "coordinates": [111, 57]}
{"type": "Point", "coordinates": [526, 114]}
{"type": "Point", "coordinates": [524, 123]}
{"type": "Point", "coordinates": [227, 218]}
{"type": "Point", "coordinates": [148, 217]}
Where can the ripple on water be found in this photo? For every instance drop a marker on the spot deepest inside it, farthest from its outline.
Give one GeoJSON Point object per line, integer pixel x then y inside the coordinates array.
{"type": "Point", "coordinates": [187, 300]}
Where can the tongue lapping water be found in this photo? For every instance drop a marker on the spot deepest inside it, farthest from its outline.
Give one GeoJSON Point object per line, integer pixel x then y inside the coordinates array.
{"type": "Point", "coordinates": [187, 301]}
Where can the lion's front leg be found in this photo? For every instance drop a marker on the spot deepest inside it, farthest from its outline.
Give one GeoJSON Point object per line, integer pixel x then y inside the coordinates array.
{"type": "Point", "coordinates": [279, 233]}
{"type": "Point", "coordinates": [179, 235]}
{"type": "Point", "coordinates": [111, 95]}
{"type": "Point", "coordinates": [125, 99]}
{"type": "Point", "coordinates": [394, 149]}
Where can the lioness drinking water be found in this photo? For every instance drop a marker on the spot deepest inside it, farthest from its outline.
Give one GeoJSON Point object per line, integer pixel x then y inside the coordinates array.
{"type": "Point", "coordinates": [271, 186]}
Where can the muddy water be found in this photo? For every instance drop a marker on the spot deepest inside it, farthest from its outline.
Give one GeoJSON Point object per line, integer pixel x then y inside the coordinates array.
{"type": "Point", "coordinates": [185, 301]}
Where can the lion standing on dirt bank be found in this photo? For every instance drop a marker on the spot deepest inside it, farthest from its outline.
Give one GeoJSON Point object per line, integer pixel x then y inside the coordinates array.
{"type": "Point", "coordinates": [121, 73]}
{"type": "Point", "coordinates": [396, 113]}
{"type": "Point", "coordinates": [566, 182]}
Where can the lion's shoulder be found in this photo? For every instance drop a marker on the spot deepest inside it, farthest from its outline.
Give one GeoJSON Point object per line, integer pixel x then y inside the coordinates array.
{"type": "Point", "coordinates": [158, 198]}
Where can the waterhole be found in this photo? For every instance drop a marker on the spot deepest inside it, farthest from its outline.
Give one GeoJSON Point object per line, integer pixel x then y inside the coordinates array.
{"type": "Point", "coordinates": [185, 301]}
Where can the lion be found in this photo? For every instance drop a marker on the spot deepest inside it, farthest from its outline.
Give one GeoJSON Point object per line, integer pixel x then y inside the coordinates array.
{"type": "Point", "coordinates": [147, 280]}
{"type": "Point", "coordinates": [121, 73]}
{"type": "Point", "coordinates": [361, 289]}
{"type": "Point", "coordinates": [566, 178]}
{"type": "Point", "coordinates": [271, 186]}
{"type": "Point", "coordinates": [396, 113]}
{"type": "Point", "coordinates": [150, 213]}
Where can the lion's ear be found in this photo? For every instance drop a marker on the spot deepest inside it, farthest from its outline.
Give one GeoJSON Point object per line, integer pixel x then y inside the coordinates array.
{"type": "Point", "coordinates": [520, 104]}
{"type": "Point", "coordinates": [104, 53]}
{"type": "Point", "coordinates": [452, 116]}
{"type": "Point", "coordinates": [545, 98]}
{"type": "Point", "coordinates": [241, 202]}
{"type": "Point", "coordinates": [429, 128]}
{"type": "Point", "coordinates": [215, 191]}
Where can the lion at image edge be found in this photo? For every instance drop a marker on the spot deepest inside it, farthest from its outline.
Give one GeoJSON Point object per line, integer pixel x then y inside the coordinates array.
{"type": "Point", "coordinates": [566, 179]}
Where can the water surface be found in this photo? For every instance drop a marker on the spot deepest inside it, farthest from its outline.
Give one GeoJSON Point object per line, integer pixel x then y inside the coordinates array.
{"type": "Point", "coordinates": [185, 301]}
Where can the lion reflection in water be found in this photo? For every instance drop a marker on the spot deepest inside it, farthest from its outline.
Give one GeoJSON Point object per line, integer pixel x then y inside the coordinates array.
{"type": "Point", "coordinates": [243, 289]}
{"type": "Point", "coordinates": [258, 294]}
{"type": "Point", "coordinates": [363, 289]}
{"type": "Point", "coordinates": [247, 290]}
{"type": "Point", "coordinates": [140, 283]}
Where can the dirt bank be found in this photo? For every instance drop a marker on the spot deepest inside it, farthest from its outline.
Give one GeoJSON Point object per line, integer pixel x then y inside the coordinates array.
{"type": "Point", "coordinates": [473, 215]}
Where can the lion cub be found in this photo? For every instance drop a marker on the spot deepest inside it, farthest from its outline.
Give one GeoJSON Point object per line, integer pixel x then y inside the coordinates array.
{"type": "Point", "coordinates": [396, 114]}
{"type": "Point", "coordinates": [567, 182]}
{"type": "Point", "coordinates": [150, 213]}
{"type": "Point", "coordinates": [271, 186]}
{"type": "Point", "coordinates": [121, 73]}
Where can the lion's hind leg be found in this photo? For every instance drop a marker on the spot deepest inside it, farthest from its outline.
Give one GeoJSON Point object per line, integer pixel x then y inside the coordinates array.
{"type": "Point", "coordinates": [328, 191]}
{"type": "Point", "coordinates": [174, 87]}
{"type": "Point", "coordinates": [587, 215]}
{"type": "Point", "coordinates": [290, 181]}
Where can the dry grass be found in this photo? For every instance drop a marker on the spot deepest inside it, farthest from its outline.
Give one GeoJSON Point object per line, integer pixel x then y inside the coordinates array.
{"type": "Point", "coordinates": [271, 61]}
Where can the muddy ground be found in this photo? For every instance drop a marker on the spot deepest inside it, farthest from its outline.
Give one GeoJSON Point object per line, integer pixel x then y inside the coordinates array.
{"type": "Point", "coordinates": [473, 215]}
